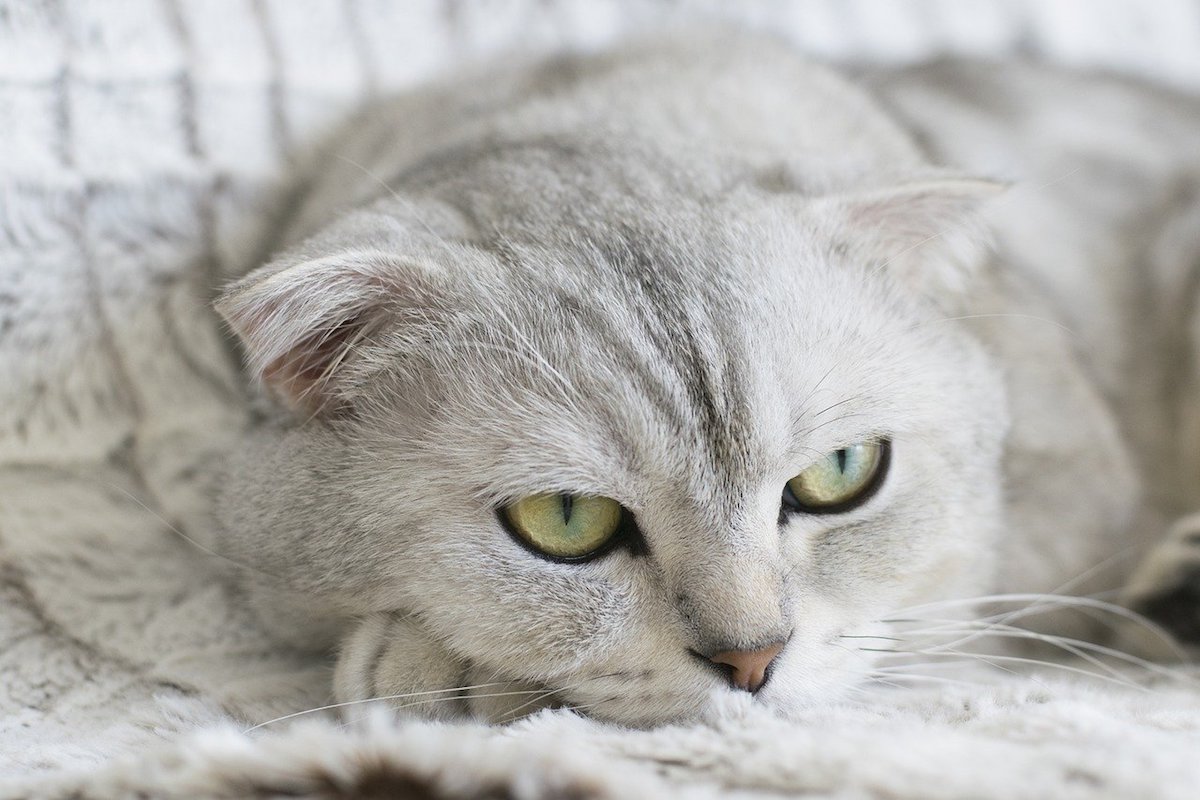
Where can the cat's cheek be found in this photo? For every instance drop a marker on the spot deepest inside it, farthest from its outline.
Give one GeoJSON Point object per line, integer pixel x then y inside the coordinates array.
{"type": "Point", "coordinates": [519, 615]}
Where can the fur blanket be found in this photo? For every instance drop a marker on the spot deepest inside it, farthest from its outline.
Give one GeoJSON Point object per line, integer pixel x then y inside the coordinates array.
{"type": "Point", "coordinates": [142, 147]}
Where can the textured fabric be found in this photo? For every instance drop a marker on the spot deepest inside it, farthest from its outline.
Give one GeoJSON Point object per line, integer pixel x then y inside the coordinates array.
{"type": "Point", "coordinates": [143, 144]}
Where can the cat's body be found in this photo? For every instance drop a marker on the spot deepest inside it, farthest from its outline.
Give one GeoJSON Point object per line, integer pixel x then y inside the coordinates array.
{"type": "Point", "coordinates": [677, 277]}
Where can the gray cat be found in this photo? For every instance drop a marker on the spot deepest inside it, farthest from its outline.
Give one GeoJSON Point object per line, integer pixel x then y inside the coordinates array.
{"type": "Point", "coordinates": [644, 382]}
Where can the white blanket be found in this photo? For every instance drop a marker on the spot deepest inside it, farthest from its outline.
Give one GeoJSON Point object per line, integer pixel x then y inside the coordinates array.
{"type": "Point", "coordinates": [142, 144]}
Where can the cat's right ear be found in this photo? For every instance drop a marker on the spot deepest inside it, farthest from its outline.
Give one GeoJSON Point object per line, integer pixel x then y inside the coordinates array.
{"type": "Point", "coordinates": [930, 231]}
{"type": "Point", "coordinates": [303, 324]}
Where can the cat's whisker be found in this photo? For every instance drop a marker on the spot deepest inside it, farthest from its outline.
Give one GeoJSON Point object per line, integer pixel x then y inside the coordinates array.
{"type": "Point", "coordinates": [919, 665]}
{"type": "Point", "coordinates": [1043, 603]}
{"type": "Point", "coordinates": [814, 428]}
{"type": "Point", "coordinates": [593, 704]}
{"type": "Point", "coordinates": [1015, 597]}
{"type": "Point", "coordinates": [932, 679]}
{"type": "Point", "coordinates": [838, 404]}
{"type": "Point", "coordinates": [515, 713]}
{"type": "Point", "coordinates": [1016, 633]}
{"type": "Point", "coordinates": [1078, 647]}
{"type": "Point", "coordinates": [812, 393]}
{"type": "Point", "coordinates": [868, 636]}
{"type": "Point", "coordinates": [992, 659]}
{"type": "Point", "coordinates": [964, 658]}
{"type": "Point", "coordinates": [806, 418]}
{"type": "Point", "coordinates": [543, 692]}
{"type": "Point", "coordinates": [512, 715]}
{"type": "Point", "coordinates": [1071, 584]}
{"type": "Point", "coordinates": [379, 699]}
{"type": "Point", "coordinates": [431, 701]}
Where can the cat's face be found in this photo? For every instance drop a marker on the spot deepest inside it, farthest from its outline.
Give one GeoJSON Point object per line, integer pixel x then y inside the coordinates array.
{"type": "Point", "coordinates": [685, 365]}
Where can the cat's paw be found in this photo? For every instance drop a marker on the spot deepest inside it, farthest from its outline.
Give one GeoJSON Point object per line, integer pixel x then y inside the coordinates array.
{"type": "Point", "coordinates": [1166, 586]}
{"type": "Point", "coordinates": [501, 701]}
{"type": "Point", "coordinates": [391, 659]}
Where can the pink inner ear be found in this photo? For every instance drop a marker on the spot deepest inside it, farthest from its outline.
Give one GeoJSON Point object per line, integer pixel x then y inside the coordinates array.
{"type": "Point", "coordinates": [302, 374]}
{"type": "Point", "coordinates": [928, 232]}
{"type": "Point", "coordinates": [911, 216]}
{"type": "Point", "coordinates": [303, 324]}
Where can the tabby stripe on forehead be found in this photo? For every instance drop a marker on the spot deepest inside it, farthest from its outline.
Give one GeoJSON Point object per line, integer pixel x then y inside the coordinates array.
{"type": "Point", "coordinates": [616, 341]}
{"type": "Point", "coordinates": [650, 379]}
{"type": "Point", "coordinates": [672, 333]}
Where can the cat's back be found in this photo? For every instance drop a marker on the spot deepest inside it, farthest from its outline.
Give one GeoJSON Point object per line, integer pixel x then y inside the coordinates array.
{"type": "Point", "coordinates": [1011, 117]}
{"type": "Point", "coordinates": [1101, 226]}
{"type": "Point", "coordinates": [1099, 166]}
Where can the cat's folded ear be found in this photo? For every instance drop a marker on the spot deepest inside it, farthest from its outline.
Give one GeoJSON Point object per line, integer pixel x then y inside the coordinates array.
{"type": "Point", "coordinates": [303, 324]}
{"type": "Point", "coordinates": [929, 232]}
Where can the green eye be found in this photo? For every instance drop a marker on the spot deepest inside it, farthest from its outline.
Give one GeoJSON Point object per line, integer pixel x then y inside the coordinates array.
{"type": "Point", "coordinates": [840, 481]}
{"type": "Point", "coordinates": [566, 526]}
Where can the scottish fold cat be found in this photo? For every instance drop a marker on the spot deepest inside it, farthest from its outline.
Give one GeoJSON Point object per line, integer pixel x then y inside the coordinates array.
{"type": "Point", "coordinates": [640, 381]}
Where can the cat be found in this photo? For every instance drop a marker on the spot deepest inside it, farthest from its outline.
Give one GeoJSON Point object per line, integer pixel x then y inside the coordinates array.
{"type": "Point", "coordinates": [638, 381]}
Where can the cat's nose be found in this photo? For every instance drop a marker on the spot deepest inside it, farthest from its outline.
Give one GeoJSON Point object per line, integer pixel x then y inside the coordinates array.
{"type": "Point", "coordinates": [749, 667]}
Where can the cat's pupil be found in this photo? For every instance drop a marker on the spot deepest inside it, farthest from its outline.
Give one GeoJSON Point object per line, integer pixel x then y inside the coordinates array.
{"type": "Point", "coordinates": [567, 502]}
{"type": "Point", "coordinates": [841, 461]}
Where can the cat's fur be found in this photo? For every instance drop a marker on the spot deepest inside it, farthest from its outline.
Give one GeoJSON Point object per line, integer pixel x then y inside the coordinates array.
{"type": "Point", "coordinates": [675, 275]}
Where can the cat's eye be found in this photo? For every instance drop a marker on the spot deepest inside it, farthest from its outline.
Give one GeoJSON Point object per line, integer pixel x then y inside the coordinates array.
{"type": "Point", "coordinates": [840, 481]}
{"type": "Point", "coordinates": [570, 527]}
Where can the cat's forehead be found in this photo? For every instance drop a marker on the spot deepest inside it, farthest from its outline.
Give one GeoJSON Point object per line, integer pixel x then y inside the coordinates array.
{"type": "Point", "coordinates": [679, 358]}
{"type": "Point", "coordinates": [645, 320]}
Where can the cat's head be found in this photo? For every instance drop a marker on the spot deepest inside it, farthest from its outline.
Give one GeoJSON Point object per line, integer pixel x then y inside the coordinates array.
{"type": "Point", "coordinates": [626, 447]}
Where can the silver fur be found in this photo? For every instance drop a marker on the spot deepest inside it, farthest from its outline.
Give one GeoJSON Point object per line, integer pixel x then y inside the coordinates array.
{"type": "Point", "coordinates": [675, 276]}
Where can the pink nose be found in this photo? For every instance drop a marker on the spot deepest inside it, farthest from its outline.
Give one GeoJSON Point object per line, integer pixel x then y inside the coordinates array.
{"type": "Point", "coordinates": [749, 666]}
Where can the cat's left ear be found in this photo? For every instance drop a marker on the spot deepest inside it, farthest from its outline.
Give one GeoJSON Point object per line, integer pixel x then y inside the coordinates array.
{"type": "Point", "coordinates": [928, 232]}
{"type": "Point", "coordinates": [303, 323]}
